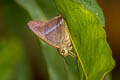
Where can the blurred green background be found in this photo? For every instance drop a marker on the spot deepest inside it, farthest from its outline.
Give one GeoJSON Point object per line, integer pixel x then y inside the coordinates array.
{"type": "Point", "coordinates": [20, 54]}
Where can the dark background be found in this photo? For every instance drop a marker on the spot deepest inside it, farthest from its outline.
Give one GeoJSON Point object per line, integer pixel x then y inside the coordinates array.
{"type": "Point", "coordinates": [111, 9]}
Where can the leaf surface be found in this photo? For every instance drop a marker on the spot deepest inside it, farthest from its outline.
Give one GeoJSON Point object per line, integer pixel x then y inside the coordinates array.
{"type": "Point", "coordinates": [88, 38]}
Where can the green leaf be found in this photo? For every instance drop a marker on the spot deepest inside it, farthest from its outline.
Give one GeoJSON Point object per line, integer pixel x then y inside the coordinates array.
{"type": "Point", "coordinates": [88, 38]}
{"type": "Point", "coordinates": [33, 10]}
{"type": "Point", "coordinates": [93, 6]}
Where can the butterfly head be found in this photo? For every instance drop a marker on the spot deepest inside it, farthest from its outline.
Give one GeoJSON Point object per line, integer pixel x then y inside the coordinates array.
{"type": "Point", "coordinates": [63, 51]}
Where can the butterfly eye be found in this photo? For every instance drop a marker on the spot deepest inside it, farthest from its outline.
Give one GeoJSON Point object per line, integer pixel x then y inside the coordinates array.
{"type": "Point", "coordinates": [63, 51]}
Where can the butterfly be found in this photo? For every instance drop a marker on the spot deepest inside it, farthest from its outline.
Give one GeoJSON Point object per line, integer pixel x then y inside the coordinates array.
{"type": "Point", "coordinates": [54, 33]}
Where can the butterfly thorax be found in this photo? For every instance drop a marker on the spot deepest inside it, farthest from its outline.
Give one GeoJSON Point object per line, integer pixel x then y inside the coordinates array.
{"type": "Point", "coordinates": [65, 47]}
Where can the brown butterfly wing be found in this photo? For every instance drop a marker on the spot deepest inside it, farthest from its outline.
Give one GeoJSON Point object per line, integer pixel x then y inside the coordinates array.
{"type": "Point", "coordinates": [55, 30]}
{"type": "Point", "coordinates": [52, 32]}
{"type": "Point", "coordinates": [37, 27]}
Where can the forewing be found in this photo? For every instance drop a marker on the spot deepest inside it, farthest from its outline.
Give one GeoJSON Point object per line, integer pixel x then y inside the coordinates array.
{"type": "Point", "coordinates": [38, 28]}
{"type": "Point", "coordinates": [55, 30]}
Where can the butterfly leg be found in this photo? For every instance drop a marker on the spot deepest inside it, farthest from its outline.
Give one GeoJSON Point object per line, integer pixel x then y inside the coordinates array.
{"type": "Point", "coordinates": [67, 42]}
{"type": "Point", "coordinates": [69, 48]}
{"type": "Point", "coordinates": [68, 45]}
{"type": "Point", "coordinates": [72, 54]}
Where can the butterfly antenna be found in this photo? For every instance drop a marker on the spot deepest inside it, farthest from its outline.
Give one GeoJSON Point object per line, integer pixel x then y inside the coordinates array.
{"type": "Point", "coordinates": [64, 63]}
